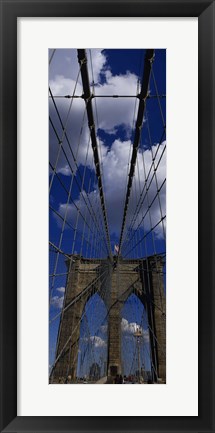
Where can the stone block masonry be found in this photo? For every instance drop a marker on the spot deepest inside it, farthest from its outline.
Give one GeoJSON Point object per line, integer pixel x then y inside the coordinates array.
{"type": "Point", "coordinates": [114, 281]}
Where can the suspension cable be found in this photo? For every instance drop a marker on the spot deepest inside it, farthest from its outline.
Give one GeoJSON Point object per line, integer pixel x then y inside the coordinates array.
{"type": "Point", "coordinates": [144, 91]}
{"type": "Point", "coordinates": [82, 58]}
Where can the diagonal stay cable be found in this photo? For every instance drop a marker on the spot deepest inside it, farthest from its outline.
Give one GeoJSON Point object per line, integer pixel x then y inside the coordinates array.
{"type": "Point", "coordinates": [61, 147]}
{"type": "Point", "coordinates": [147, 234]}
{"type": "Point", "coordinates": [147, 185]}
{"type": "Point", "coordinates": [64, 128]}
{"type": "Point", "coordinates": [82, 58]}
{"type": "Point", "coordinates": [52, 55]}
{"type": "Point", "coordinates": [74, 203]}
{"type": "Point", "coordinates": [87, 196]}
{"type": "Point", "coordinates": [143, 95]}
{"type": "Point", "coordinates": [147, 211]}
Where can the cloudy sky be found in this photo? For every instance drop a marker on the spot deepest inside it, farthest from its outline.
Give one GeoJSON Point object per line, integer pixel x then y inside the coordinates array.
{"type": "Point", "coordinates": [111, 72]}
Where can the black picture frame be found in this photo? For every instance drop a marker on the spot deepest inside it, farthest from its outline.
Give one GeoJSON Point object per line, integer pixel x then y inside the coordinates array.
{"type": "Point", "coordinates": [10, 11]}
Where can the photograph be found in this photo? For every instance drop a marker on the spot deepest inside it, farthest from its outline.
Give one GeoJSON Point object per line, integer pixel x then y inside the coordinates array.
{"type": "Point", "coordinates": [107, 216]}
{"type": "Point", "coordinates": [107, 240]}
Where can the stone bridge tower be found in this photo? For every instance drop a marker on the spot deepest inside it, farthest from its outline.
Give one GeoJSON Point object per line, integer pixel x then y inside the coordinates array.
{"type": "Point", "coordinates": [115, 281]}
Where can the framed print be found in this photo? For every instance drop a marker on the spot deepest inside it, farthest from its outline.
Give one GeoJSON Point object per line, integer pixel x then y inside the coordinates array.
{"type": "Point", "coordinates": [101, 84]}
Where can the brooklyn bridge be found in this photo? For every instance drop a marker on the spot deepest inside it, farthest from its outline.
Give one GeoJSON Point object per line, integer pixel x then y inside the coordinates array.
{"type": "Point", "coordinates": [107, 200]}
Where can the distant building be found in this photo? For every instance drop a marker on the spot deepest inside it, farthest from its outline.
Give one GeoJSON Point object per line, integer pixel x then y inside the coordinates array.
{"type": "Point", "coordinates": [95, 372]}
{"type": "Point", "coordinates": [147, 375]}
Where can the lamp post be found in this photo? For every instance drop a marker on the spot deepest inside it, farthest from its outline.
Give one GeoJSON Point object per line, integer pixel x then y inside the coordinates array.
{"type": "Point", "coordinates": [138, 335]}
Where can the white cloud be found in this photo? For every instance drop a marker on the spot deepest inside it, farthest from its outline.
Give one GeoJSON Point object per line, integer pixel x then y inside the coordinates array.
{"type": "Point", "coordinates": [95, 340]}
{"type": "Point", "coordinates": [65, 62]}
{"type": "Point", "coordinates": [62, 86]}
{"type": "Point", "coordinates": [111, 114]}
{"type": "Point", "coordinates": [119, 111]}
{"type": "Point", "coordinates": [115, 170]}
{"type": "Point", "coordinates": [98, 62]}
{"type": "Point", "coordinates": [98, 341]}
{"type": "Point", "coordinates": [57, 302]}
{"type": "Point", "coordinates": [130, 328]}
{"type": "Point", "coordinates": [76, 140]}
{"type": "Point", "coordinates": [61, 289]}
{"type": "Point", "coordinates": [103, 329]}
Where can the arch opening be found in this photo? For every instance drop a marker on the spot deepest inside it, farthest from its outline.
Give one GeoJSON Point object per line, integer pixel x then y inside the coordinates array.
{"type": "Point", "coordinates": [135, 342]}
{"type": "Point", "coordinates": [92, 350]}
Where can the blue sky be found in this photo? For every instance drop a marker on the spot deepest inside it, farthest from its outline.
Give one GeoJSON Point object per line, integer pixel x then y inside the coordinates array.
{"type": "Point", "coordinates": [111, 72]}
